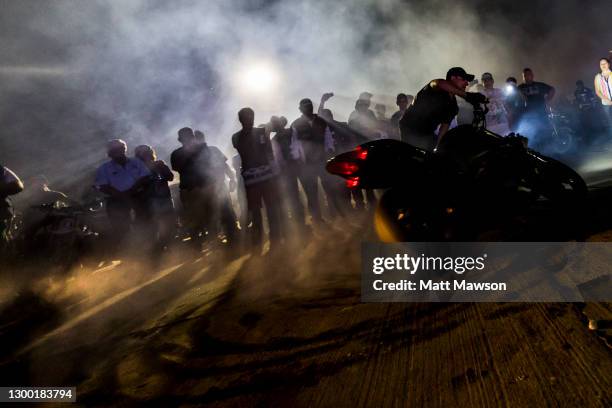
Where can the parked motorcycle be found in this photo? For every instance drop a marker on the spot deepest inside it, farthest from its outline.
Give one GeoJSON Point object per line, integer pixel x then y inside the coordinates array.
{"type": "Point", "coordinates": [564, 135]}
{"type": "Point", "coordinates": [64, 234]}
{"type": "Point", "coordinates": [477, 185]}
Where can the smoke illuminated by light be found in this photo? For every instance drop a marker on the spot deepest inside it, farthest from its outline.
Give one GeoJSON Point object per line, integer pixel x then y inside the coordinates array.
{"type": "Point", "coordinates": [258, 78]}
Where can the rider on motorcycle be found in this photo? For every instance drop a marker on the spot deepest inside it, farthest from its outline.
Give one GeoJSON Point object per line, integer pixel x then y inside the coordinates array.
{"type": "Point", "coordinates": [435, 106]}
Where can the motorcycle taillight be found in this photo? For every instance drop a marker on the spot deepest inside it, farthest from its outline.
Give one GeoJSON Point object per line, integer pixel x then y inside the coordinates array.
{"type": "Point", "coordinates": [361, 153]}
{"type": "Point", "coordinates": [343, 168]}
{"type": "Point", "coordinates": [352, 182]}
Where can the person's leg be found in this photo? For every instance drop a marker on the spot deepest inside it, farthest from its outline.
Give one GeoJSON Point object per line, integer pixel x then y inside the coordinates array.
{"type": "Point", "coordinates": [334, 187]}
{"type": "Point", "coordinates": [608, 117]}
{"type": "Point", "coordinates": [254, 196]}
{"type": "Point", "coordinates": [227, 214]}
{"type": "Point", "coordinates": [187, 214]}
{"type": "Point", "coordinates": [166, 221]}
{"type": "Point", "coordinates": [145, 226]}
{"type": "Point", "coordinates": [422, 141]}
{"type": "Point", "coordinates": [293, 195]}
{"type": "Point", "coordinates": [270, 197]}
{"type": "Point", "coordinates": [243, 217]}
{"type": "Point", "coordinates": [309, 180]}
{"type": "Point", "coordinates": [120, 219]}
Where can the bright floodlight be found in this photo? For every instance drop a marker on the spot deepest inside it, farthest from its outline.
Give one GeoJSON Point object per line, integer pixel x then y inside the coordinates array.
{"type": "Point", "coordinates": [259, 77]}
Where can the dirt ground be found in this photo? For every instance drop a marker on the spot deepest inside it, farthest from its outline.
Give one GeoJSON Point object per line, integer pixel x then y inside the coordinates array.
{"type": "Point", "coordinates": [289, 329]}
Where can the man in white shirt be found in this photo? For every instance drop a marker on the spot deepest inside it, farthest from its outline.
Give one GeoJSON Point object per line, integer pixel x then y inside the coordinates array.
{"type": "Point", "coordinates": [123, 179]}
{"type": "Point", "coordinates": [497, 117]}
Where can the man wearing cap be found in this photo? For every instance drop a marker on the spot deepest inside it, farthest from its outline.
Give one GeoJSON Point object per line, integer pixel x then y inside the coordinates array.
{"type": "Point", "coordinates": [124, 180]}
{"type": "Point", "coordinates": [435, 105]}
{"type": "Point", "coordinates": [497, 116]}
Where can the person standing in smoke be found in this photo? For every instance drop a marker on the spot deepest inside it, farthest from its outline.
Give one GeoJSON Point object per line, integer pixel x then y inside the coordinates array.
{"type": "Point", "coordinates": [383, 125]}
{"type": "Point", "coordinates": [584, 103]}
{"type": "Point", "coordinates": [215, 163]}
{"type": "Point", "coordinates": [10, 185]}
{"type": "Point", "coordinates": [289, 168]}
{"type": "Point", "coordinates": [344, 139]}
{"type": "Point", "coordinates": [184, 161]}
{"type": "Point", "coordinates": [260, 175]}
{"type": "Point", "coordinates": [497, 116]}
{"type": "Point", "coordinates": [537, 96]}
{"type": "Point", "coordinates": [515, 103]}
{"type": "Point", "coordinates": [435, 107]}
{"type": "Point", "coordinates": [309, 135]}
{"type": "Point", "coordinates": [202, 171]}
{"type": "Point", "coordinates": [603, 89]}
{"type": "Point", "coordinates": [160, 198]}
{"type": "Point", "coordinates": [381, 112]}
{"type": "Point", "coordinates": [366, 126]}
{"type": "Point", "coordinates": [123, 179]}
{"type": "Point", "coordinates": [403, 101]}
{"type": "Point", "coordinates": [362, 120]}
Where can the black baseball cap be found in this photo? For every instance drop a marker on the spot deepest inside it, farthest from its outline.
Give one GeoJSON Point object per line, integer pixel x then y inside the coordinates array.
{"type": "Point", "coordinates": [305, 101]}
{"type": "Point", "coordinates": [460, 72]}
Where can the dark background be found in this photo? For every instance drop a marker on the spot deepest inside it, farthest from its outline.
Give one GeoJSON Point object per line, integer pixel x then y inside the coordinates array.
{"type": "Point", "coordinates": [74, 74]}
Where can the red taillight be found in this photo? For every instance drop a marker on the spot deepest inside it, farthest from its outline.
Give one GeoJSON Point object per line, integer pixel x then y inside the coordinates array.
{"type": "Point", "coordinates": [343, 168]}
{"type": "Point", "coordinates": [348, 165]}
{"type": "Point", "coordinates": [361, 153]}
{"type": "Point", "coordinates": [352, 182]}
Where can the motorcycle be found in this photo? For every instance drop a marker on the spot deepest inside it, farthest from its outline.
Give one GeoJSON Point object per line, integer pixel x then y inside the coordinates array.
{"type": "Point", "coordinates": [64, 234]}
{"type": "Point", "coordinates": [564, 135]}
{"type": "Point", "coordinates": [476, 186]}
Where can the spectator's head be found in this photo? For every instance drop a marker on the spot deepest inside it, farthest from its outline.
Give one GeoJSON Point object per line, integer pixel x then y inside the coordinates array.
{"type": "Point", "coordinates": [459, 77]}
{"type": "Point", "coordinates": [275, 124]}
{"type": "Point", "coordinates": [186, 136]}
{"type": "Point", "coordinates": [199, 136]}
{"type": "Point", "coordinates": [402, 101]}
{"type": "Point", "coordinates": [364, 101]}
{"type": "Point", "coordinates": [306, 107]}
{"type": "Point", "coordinates": [527, 75]}
{"type": "Point", "coordinates": [145, 153]}
{"type": "Point", "coordinates": [246, 117]}
{"type": "Point", "coordinates": [380, 110]}
{"type": "Point", "coordinates": [579, 84]}
{"type": "Point", "coordinates": [511, 81]}
{"type": "Point", "coordinates": [283, 122]}
{"type": "Point", "coordinates": [116, 149]}
{"type": "Point", "coordinates": [487, 80]}
{"type": "Point", "coordinates": [604, 64]}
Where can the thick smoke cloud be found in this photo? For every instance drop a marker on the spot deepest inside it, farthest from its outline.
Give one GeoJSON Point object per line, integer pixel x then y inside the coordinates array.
{"type": "Point", "coordinates": [74, 74]}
